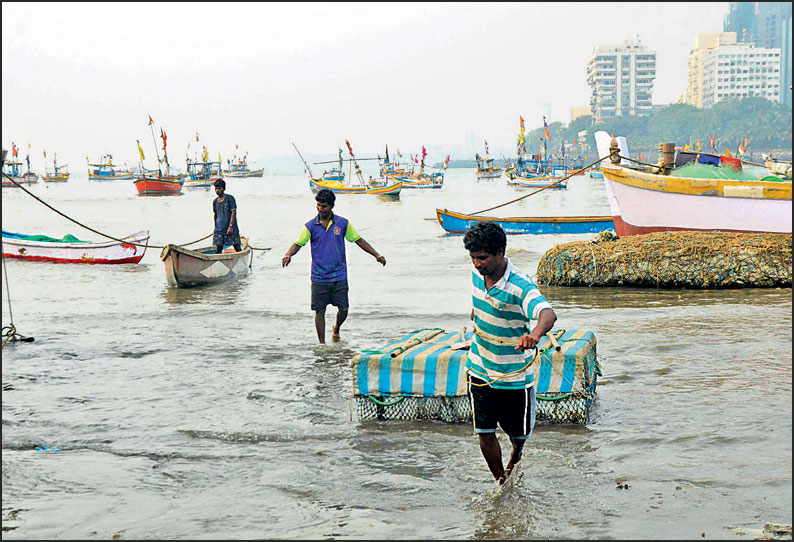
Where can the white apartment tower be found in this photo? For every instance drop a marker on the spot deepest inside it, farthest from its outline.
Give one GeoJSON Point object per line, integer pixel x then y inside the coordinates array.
{"type": "Point", "coordinates": [621, 78]}
{"type": "Point", "coordinates": [739, 70]}
{"type": "Point", "coordinates": [703, 44]}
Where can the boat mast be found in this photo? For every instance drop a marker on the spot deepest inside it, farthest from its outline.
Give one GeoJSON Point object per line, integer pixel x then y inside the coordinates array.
{"type": "Point", "coordinates": [308, 169]}
{"type": "Point", "coordinates": [154, 140]}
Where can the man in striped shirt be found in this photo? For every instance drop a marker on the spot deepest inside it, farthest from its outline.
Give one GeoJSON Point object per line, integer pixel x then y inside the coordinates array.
{"type": "Point", "coordinates": [499, 365]}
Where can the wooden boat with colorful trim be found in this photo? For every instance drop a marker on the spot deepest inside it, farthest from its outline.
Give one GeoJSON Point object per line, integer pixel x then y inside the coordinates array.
{"type": "Point", "coordinates": [388, 187]}
{"type": "Point", "coordinates": [486, 169]}
{"type": "Point", "coordinates": [13, 169]}
{"type": "Point", "coordinates": [423, 180]}
{"type": "Point", "coordinates": [185, 267]}
{"type": "Point", "coordinates": [455, 222]}
{"type": "Point", "coordinates": [532, 180]}
{"type": "Point", "coordinates": [239, 168]}
{"type": "Point", "coordinates": [70, 249]}
{"type": "Point", "coordinates": [202, 174]}
{"type": "Point", "coordinates": [108, 172]}
{"type": "Point", "coordinates": [643, 202]}
{"type": "Point", "coordinates": [59, 174]}
{"type": "Point", "coordinates": [159, 184]}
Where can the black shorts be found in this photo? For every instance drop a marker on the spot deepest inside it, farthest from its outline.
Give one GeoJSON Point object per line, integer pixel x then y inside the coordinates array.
{"type": "Point", "coordinates": [329, 293]}
{"type": "Point", "coordinates": [514, 410]}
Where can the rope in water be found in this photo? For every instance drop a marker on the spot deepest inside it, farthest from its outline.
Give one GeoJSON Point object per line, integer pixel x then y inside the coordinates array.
{"type": "Point", "coordinates": [104, 234]}
{"type": "Point", "coordinates": [10, 331]}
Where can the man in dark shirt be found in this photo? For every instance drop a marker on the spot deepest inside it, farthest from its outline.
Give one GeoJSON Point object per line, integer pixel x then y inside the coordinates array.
{"type": "Point", "coordinates": [224, 209]}
{"type": "Point", "coordinates": [328, 232]}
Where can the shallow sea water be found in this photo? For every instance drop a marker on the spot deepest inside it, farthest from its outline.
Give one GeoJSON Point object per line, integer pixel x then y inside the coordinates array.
{"type": "Point", "coordinates": [213, 413]}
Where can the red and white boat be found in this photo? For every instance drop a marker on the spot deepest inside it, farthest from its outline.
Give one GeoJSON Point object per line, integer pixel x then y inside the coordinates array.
{"type": "Point", "coordinates": [69, 249]}
{"type": "Point", "coordinates": [642, 202]}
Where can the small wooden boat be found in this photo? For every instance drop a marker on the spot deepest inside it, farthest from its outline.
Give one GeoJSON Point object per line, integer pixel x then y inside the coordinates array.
{"type": "Point", "coordinates": [454, 222]}
{"type": "Point", "coordinates": [69, 249]}
{"type": "Point", "coordinates": [392, 188]}
{"type": "Point", "coordinates": [185, 267]}
{"type": "Point", "coordinates": [531, 180]}
{"type": "Point", "coordinates": [596, 174]}
{"type": "Point", "coordinates": [486, 169]}
{"type": "Point", "coordinates": [238, 167]}
{"type": "Point", "coordinates": [779, 167]}
{"type": "Point", "coordinates": [59, 174]}
{"type": "Point", "coordinates": [423, 180]}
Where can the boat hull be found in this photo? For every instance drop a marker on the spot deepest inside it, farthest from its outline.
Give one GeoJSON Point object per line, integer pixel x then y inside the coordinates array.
{"type": "Point", "coordinates": [55, 178]}
{"type": "Point", "coordinates": [120, 177]}
{"type": "Point", "coordinates": [148, 186]}
{"type": "Point", "coordinates": [185, 268]}
{"type": "Point", "coordinates": [338, 188]}
{"type": "Point", "coordinates": [646, 203]}
{"type": "Point", "coordinates": [112, 252]}
{"type": "Point", "coordinates": [251, 173]}
{"type": "Point", "coordinates": [489, 174]}
{"type": "Point", "coordinates": [536, 182]}
{"type": "Point", "coordinates": [454, 222]}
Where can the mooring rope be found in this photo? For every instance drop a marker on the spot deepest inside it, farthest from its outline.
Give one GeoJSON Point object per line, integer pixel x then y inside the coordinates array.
{"type": "Point", "coordinates": [104, 234]}
{"type": "Point", "coordinates": [10, 331]}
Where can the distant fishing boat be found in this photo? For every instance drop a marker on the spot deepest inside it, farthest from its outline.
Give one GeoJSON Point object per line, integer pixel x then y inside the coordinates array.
{"type": "Point", "coordinates": [14, 170]}
{"type": "Point", "coordinates": [238, 167]}
{"type": "Point", "coordinates": [420, 179]}
{"type": "Point", "coordinates": [185, 267]}
{"type": "Point", "coordinates": [535, 170]}
{"type": "Point", "coordinates": [69, 249]}
{"type": "Point", "coordinates": [383, 186]}
{"type": "Point", "coordinates": [485, 167]}
{"type": "Point", "coordinates": [455, 222]}
{"type": "Point", "coordinates": [106, 171]}
{"type": "Point", "coordinates": [59, 174]}
{"type": "Point", "coordinates": [596, 174]}
{"type": "Point", "coordinates": [157, 182]}
{"type": "Point", "coordinates": [202, 174]}
{"type": "Point", "coordinates": [642, 201]}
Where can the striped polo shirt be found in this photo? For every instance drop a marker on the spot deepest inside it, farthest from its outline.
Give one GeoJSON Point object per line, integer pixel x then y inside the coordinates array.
{"type": "Point", "coordinates": [503, 312]}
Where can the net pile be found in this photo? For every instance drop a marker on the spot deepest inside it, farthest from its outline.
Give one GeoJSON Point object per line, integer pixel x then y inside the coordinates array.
{"type": "Point", "coordinates": [420, 377]}
{"type": "Point", "coordinates": [684, 259]}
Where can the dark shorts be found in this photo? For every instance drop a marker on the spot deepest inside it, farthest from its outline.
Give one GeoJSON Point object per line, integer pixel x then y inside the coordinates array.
{"type": "Point", "coordinates": [329, 293]}
{"type": "Point", "coordinates": [514, 410]}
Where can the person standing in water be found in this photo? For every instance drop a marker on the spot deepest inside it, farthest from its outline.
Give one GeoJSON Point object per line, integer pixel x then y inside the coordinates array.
{"type": "Point", "coordinates": [499, 368]}
{"type": "Point", "coordinates": [328, 233]}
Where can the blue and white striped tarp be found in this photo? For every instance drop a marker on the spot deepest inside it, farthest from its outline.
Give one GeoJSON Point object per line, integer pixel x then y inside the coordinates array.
{"type": "Point", "coordinates": [423, 364]}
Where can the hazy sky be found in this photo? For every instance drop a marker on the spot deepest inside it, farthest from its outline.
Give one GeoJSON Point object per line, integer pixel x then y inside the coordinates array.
{"type": "Point", "coordinates": [80, 79]}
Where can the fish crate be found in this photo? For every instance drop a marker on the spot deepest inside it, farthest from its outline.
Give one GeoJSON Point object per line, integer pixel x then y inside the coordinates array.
{"type": "Point", "coordinates": [422, 376]}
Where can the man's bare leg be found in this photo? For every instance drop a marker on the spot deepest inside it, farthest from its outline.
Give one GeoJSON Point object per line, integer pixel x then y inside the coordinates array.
{"type": "Point", "coordinates": [319, 323]}
{"type": "Point", "coordinates": [492, 452]}
{"type": "Point", "coordinates": [515, 456]}
{"type": "Point", "coordinates": [341, 316]}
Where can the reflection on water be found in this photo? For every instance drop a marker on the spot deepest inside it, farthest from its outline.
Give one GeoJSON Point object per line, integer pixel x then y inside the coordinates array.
{"type": "Point", "coordinates": [227, 292]}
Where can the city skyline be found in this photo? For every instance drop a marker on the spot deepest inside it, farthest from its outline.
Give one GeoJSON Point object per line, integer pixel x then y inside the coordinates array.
{"type": "Point", "coordinates": [82, 79]}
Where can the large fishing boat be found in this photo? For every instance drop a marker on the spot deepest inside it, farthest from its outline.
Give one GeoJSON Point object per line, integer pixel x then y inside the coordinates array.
{"type": "Point", "coordinates": [455, 222]}
{"type": "Point", "coordinates": [59, 174]}
{"type": "Point", "coordinates": [238, 167]}
{"type": "Point", "coordinates": [70, 249]}
{"type": "Point", "coordinates": [670, 199]}
{"type": "Point", "coordinates": [106, 171]}
{"type": "Point", "coordinates": [536, 170]}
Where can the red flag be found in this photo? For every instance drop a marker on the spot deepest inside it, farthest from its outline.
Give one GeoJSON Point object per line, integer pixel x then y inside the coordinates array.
{"type": "Point", "coordinates": [741, 148]}
{"type": "Point", "coordinates": [150, 120]}
{"type": "Point", "coordinates": [424, 152]}
{"type": "Point", "coordinates": [711, 140]}
{"type": "Point", "coordinates": [349, 147]}
{"type": "Point", "coordinates": [163, 137]}
{"type": "Point", "coordinates": [574, 141]}
{"type": "Point", "coordinates": [14, 151]}
{"type": "Point", "coordinates": [522, 120]}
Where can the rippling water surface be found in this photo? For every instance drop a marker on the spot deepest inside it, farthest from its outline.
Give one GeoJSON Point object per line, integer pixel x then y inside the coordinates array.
{"type": "Point", "coordinates": [212, 412]}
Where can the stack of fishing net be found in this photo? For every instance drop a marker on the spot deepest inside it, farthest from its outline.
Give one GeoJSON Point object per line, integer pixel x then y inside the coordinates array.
{"type": "Point", "coordinates": [422, 376]}
{"type": "Point", "coordinates": [684, 259]}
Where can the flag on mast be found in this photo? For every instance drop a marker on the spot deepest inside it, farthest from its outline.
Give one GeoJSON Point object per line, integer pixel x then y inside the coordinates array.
{"type": "Point", "coordinates": [140, 150]}
{"type": "Point", "coordinates": [150, 120]}
{"type": "Point", "coordinates": [711, 141]}
{"type": "Point", "coordinates": [546, 130]}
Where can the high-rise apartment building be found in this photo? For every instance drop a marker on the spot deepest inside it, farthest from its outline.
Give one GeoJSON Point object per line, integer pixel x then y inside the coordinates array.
{"type": "Point", "coordinates": [785, 62]}
{"type": "Point", "coordinates": [758, 22]}
{"type": "Point", "coordinates": [739, 70]}
{"type": "Point", "coordinates": [621, 78]}
{"type": "Point", "coordinates": [703, 44]}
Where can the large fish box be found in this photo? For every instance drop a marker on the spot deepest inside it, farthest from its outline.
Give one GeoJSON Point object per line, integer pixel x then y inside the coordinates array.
{"type": "Point", "coordinates": [422, 376]}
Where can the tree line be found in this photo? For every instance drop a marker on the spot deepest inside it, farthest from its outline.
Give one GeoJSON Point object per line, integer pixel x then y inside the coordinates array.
{"type": "Point", "coordinates": [763, 124]}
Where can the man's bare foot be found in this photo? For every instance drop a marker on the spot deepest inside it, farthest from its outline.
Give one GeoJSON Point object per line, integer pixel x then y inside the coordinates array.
{"type": "Point", "coordinates": [335, 337]}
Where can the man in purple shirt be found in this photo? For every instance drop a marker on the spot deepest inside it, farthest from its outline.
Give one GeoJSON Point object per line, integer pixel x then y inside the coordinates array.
{"type": "Point", "coordinates": [327, 233]}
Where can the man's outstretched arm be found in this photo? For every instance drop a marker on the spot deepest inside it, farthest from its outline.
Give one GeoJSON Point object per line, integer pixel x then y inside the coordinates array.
{"type": "Point", "coordinates": [366, 247]}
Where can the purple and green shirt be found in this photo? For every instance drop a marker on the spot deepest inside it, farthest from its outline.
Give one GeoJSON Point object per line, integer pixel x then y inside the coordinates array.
{"type": "Point", "coordinates": [329, 263]}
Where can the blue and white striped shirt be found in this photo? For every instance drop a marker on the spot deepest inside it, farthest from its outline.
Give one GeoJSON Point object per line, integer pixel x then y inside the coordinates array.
{"type": "Point", "coordinates": [504, 311]}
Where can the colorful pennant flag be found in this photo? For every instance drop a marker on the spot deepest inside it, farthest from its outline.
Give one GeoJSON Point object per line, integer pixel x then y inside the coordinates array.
{"type": "Point", "coordinates": [14, 150]}
{"type": "Point", "coordinates": [728, 152]}
{"type": "Point", "coordinates": [711, 141]}
{"type": "Point", "coordinates": [700, 145]}
{"type": "Point", "coordinates": [562, 148]}
{"type": "Point", "coordinates": [140, 150]}
{"type": "Point", "coordinates": [546, 130]}
{"type": "Point", "coordinates": [150, 120]}
{"type": "Point", "coordinates": [446, 162]}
